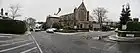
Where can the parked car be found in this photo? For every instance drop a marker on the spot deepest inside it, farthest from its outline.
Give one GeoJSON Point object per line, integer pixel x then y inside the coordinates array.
{"type": "Point", "coordinates": [54, 29]}
{"type": "Point", "coordinates": [36, 30]}
{"type": "Point", "coordinates": [51, 30]}
{"type": "Point", "coordinates": [60, 29]}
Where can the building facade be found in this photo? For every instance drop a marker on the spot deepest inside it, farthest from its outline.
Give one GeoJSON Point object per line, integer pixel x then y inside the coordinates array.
{"type": "Point", "coordinates": [50, 20]}
{"type": "Point", "coordinates": [79, 19]}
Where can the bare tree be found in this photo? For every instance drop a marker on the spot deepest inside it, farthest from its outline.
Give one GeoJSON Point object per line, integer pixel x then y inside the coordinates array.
{"type": "Point", "coordinates": [100, 14]}
{"type": "Point", "coordinates": [14, 10]}
{"type": "Point", "coordinates": [31, 22]}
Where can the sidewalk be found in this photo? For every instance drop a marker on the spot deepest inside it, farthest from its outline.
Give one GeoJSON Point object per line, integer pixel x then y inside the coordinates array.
{"type": "Point", "coordinates": [117, 38]}
{"type": "Point", "coordinates": [65, 33]}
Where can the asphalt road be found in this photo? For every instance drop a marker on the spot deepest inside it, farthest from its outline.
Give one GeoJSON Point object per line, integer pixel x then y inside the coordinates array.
{"type": "Point", "coordinates": [83, 42]}
{"type": "Point", "coordinates": [17, 44]}
{"type": "Point", "coordinates": [57, 43]}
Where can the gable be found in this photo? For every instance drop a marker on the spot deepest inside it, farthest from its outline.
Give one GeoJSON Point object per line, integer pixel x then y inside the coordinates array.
{"type": "Point", "coordinates": [82, 7]}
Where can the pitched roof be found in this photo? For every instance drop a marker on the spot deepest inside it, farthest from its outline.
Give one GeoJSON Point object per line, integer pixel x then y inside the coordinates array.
{"type": "Point", "coordinates": [82, 6]}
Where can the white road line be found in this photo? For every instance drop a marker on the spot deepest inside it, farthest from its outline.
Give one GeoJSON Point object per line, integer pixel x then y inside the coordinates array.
{"type": "Point", "coordinates": [13, 43]}
{"type": "Point", "coordinates": [37, 44]}
{"type": "Point", "coordinates": [16, 47]}
{"type": "Point", "coordinates": [11, 40]}
{"type": "Point", "coordinates": [112, 46]}
{"type": "Point", "coordinates": [28, 50]}
{"type": "Point", "coordinates": [10, 34]}
{"type": "Point", "coordinates": [96, 48]}
{"type": "Point", "coordinates": [4, 36]}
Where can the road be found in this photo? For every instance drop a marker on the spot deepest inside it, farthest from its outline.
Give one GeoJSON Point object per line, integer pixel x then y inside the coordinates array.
{"type": "Point", "coordinates": [57, 43]}
{"type": "Point", "coordinates": [17, 44]}
{"type": "Point", "coordinates": [83, 42]}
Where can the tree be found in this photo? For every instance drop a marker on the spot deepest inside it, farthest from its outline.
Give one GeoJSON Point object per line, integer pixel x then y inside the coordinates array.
{"type": "Point", "coordinates": [100, 14]}
{"type": "Point", "coordinates": [31, 22]}
{"type": "Point", "coordinates": [125, 15]}
{"type": "Point", "coordinates": [14, 10]}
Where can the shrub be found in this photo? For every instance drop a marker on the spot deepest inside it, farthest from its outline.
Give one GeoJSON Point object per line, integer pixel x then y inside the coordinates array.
{"type": "Point", "coordinates": [133, 26]}
{"type": "Point", "coordinates": [12, 26]}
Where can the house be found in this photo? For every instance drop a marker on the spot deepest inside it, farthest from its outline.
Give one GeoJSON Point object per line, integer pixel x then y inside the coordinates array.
{"type": "Point", "coordinates": [50, 20]}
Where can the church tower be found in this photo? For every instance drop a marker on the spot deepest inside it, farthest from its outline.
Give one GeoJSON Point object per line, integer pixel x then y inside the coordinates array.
{"type": "Point", "coordinates": [81, 16]}
{"type": "Point", "coordinates": [82, 13]}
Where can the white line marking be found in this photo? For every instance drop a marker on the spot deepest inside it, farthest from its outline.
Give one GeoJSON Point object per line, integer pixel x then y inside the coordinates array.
{"type": "Point", "coordinates": [16, 47]}
{"type": "Point", "coordinates": [112, 46]}
{"type": "Point", "coordinates": [10, 34]}
{"type": "Point", "coordinates": [28, 50]}
{"type": "Point", "coordinates": [4, 41]}
{"type": "Point", "coordinates": [37, 44]}
{"type": "Point", "coordinates": [13, 43]}
{"type": "Point", "coordinates": [96, 48]}
{"type": "Point", "coordinates": [4, 36]}
{"type": "Point", "coordinates": [7, 34]}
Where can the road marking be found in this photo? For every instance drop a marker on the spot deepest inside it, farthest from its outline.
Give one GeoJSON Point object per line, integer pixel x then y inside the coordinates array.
{"type": "Point", "coordinates": [12, 40]}
{"type": "Point", "coordinates": [16, 47]}
{"type": "Point", "coordinates": [28, 50]}
{"type": "Point", "coordinates": [10, 34]}
{"type": "Point", "coordinates": [13, 43]}
{"type": "Point", "coordinates": [96, 48]}
{"type": "Point", "coordinates": [4, 36]}
{"type": "Point", "coordinates": [37, 44]}
{"type": "Point", "coordinates": [111, 46]}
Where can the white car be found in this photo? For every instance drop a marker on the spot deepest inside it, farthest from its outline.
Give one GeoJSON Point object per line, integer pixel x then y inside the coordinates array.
{"type": "Point", "coordinates": [36, 30]}
{"type": "Point", "coordinates": [50, 30]}
{"type": "Point", "coordinates": [53, 29]}
{"type": "Point", "coordinates": [61, 29]}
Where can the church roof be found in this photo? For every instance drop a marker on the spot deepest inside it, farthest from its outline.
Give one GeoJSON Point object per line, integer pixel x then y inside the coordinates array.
{"type": "Point", "coordinates": [53, 16]}
{"type": "Point", "coordinates": [82, 6]}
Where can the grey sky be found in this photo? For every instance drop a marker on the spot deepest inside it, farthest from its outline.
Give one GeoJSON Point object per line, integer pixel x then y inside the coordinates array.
{"type": "Point", "coordinates": [39, 9]}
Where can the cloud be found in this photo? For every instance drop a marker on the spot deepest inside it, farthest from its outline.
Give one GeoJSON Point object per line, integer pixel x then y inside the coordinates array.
{"type": "Point", "coordinates": [39, 9]}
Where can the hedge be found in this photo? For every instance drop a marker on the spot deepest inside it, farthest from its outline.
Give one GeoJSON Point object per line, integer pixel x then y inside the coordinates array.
{"type": "Point", "coordinates": [68, 31]}
{"type": "Point", "coordinates": [133, 26]}
{"type": "Point", "coordinates": [12, 26]}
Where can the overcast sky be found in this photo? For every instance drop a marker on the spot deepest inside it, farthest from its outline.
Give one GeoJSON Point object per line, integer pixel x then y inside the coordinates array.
{"type": "Point", "coordinates": [39, 9]}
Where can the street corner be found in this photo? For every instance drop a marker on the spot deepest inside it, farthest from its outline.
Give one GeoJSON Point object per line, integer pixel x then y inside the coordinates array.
{"type": "Point", "coordinates": [123, 39]}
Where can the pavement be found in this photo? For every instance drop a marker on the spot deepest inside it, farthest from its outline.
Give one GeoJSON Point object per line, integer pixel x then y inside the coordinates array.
{"type": "Point", "coordinates": [65, 33]}
{"type": "Point", "coordinates": [86, 33]}
{"type": "Point", "coordinates": [115, 37]}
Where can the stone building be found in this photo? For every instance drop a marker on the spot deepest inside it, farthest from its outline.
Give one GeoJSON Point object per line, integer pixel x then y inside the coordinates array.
{"type": "Point", "coordinates": [79, 19]}
{"type": "Point", "coordinates": [50, 20]}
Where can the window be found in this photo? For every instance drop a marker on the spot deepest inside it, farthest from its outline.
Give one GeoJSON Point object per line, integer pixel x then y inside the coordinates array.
{"type": "Point", "coordinates": [81, 25]}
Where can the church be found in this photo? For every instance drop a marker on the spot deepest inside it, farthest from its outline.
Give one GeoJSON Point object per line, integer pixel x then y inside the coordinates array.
{"type": "Point", "coordinates": [79, 19]}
